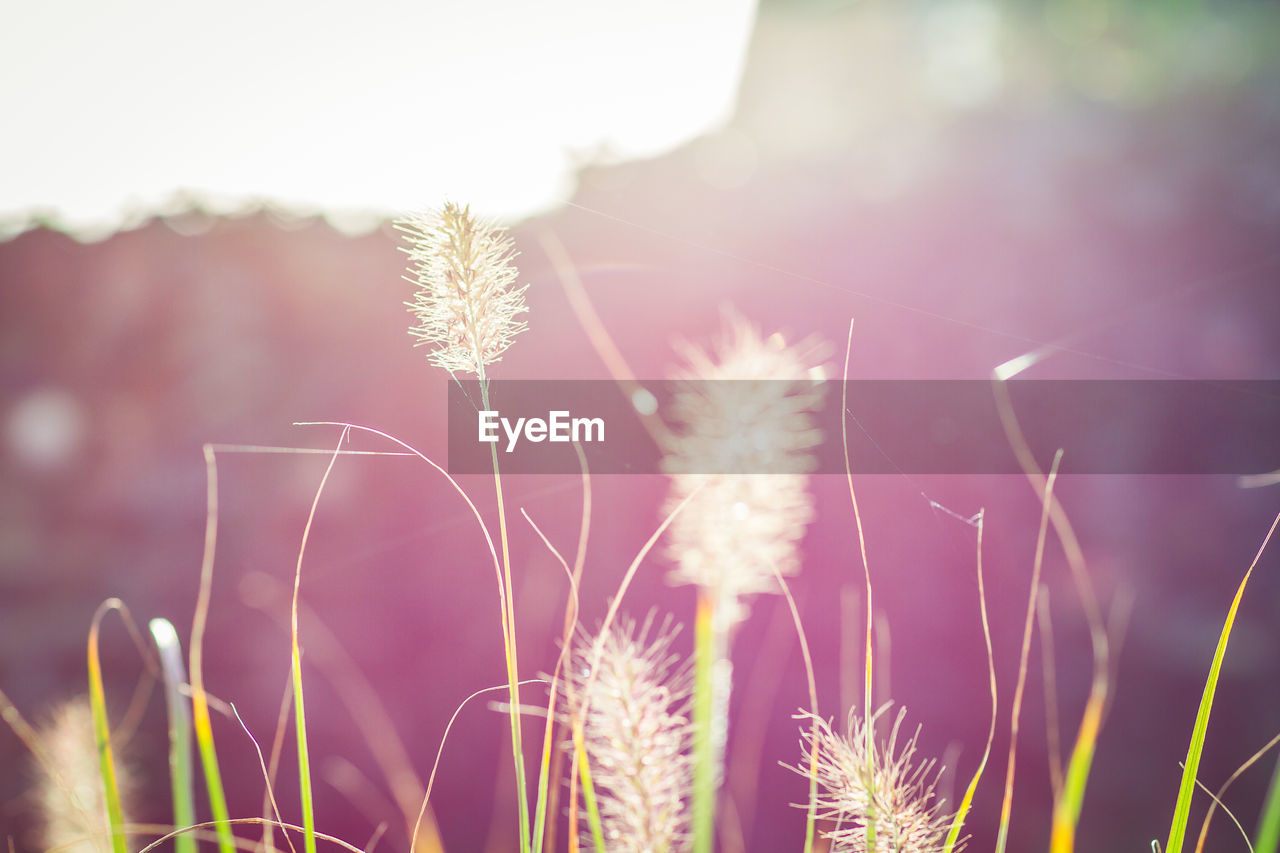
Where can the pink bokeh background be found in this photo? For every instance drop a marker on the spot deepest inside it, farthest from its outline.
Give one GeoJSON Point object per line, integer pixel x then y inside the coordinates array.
{"type": "Point", "coordinates": [1138, 240]}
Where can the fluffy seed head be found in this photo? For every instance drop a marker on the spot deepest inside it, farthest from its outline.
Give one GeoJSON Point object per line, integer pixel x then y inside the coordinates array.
{"type": "Point", "coordinates": [71, 807]}
{"type": "Point", "coordinates": [637, 735]}
{"type": "Point", "coordinates": [744, 407]}
{"type": "Point", "coordinates": [466, 304]}
{"type": "Point", "coordinates": [864, 782]}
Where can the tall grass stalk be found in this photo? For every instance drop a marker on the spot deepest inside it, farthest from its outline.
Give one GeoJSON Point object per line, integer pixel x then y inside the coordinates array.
{"type": "Point", "coordinates": [467, 306]}
{"type": "Point", "coordinates": [745, 529]}
{"type": "Point", "coordinates": [509, 641]}
{"type": "Point", "coordinates": [547, 842]}
{"type": "Point", "coordinates": [1015, 718]}
{"type": "Point", "coordinates": [811, 813]}
{"type": "Point", "coordinates": [1053, 735]}
{"type": "Point", "coordinates": [1182, 808]}
{"type": "Point", "coordinates": [868, 649]}
{"type": "Point", "coordinates": [966, 802]}
{"type": "Point", "coordinates": [180, 776]}
{"type": "Point", "coordinates": [300, 716]}
{"type": "Point", "coordinates": [199, 698]}
{"type": "Point", "coordinates": [1067, 806]}
{"type": "Point", "coordinates": [102, 730]}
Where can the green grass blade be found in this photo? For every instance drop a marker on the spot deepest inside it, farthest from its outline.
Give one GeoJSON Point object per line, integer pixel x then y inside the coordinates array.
{"type": "Point", "coordinates": [102, 731]}
{"type": "Point", "coordinates": [1268, 837]}
{"type": "Point", "coordinates": [1182, 809]}
{"type": "Point", "coordinates": [544, 777]}
{"type": "Point", "coordinates": [304, 757]}
{"type": "Point", "coordinates": [588, 794]}
{"type": "Point", "coordinates": [180, 781]}
{"type": "Point", "coordinates": [212, 775]}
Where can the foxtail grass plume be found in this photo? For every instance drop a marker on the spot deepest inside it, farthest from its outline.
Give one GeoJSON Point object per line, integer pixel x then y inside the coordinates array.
{"type": "Point", "coordinates": [70, 803]}
{"type": "Point", "coordinates": [637, 735]}
{"type": "Point", "coordinates": [467, 306]}
{"type": "Point", "coordinates": [885, 788]}
{"type": "Point", "coordinates": [744, 407]}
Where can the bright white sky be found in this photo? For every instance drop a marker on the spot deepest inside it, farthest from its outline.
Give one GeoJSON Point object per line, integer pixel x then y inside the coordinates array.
{"type": "Point", "coordinates": [384, 106]}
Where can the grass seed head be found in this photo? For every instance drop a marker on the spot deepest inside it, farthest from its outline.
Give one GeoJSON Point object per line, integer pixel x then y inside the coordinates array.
{"type": "Point", "coordinates": [637, 735]}
{"type": "Point", "coordinates": [746, 406]}
{"type": "Point", "coordinates": [865, 782]}
{"type": "Point", "coordinates": [466, 305]}
{"type": "Point", "coordinates": [70, 803]}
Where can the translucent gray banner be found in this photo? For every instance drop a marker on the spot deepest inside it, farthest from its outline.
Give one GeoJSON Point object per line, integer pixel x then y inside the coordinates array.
{"type": "Point", "coordinates": [893, 426]}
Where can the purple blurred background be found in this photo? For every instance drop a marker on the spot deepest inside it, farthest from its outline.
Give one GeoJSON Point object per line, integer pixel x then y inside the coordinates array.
{"type": "Point", "coordinates": [1134, 228]}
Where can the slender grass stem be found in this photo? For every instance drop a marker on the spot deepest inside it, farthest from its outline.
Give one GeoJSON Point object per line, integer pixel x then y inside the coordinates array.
{"type": "Point", "coordinates": [866, 575]}
{"type": "Point", "coordinates": [509, 642]}
{"type": "Point", "coordinates": [1066, 808]}
{"type": "Point", "coordinates": [548, 843]}
{"type": "Point", "coordinates": [966, 802]}
{"type": "Point", "coordinates": [1015, 720]}
{"type": "Point", "coordinates": [811, 815]}
{"type": "Point", "coordinates": [1053, 735]}
{"type": "Point", "coordinates": [199, 698]}
{"type": "Point", "coordinates": [300, 717]}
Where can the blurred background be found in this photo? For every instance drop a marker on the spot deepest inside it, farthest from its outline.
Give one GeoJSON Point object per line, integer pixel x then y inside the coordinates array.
{"type": "Point", "coordinates": [197, 249]}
